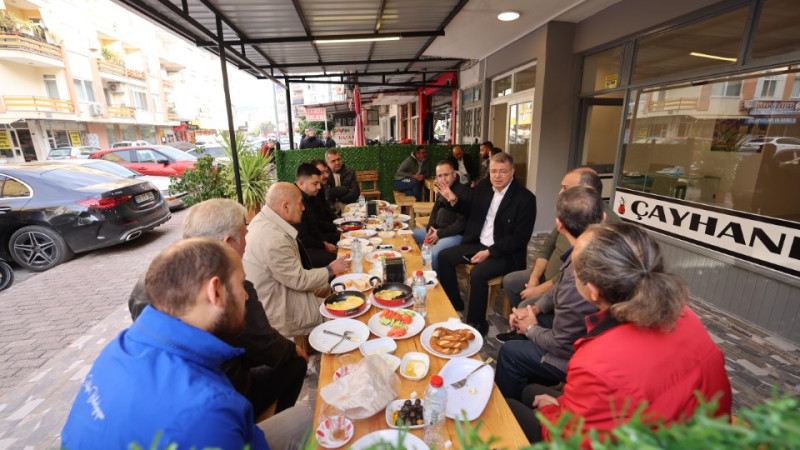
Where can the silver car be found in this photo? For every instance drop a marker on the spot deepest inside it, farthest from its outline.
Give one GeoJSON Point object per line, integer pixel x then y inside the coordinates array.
{"type": "Point", "coordinates": [77, 152]}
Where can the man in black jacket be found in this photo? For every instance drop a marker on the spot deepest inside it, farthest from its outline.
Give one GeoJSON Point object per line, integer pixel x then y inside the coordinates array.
{"type": "Point", "coordinates": [320, 251]}
{"type": "Point", "coordinates": [343, 185]}
{"type": "Point", "coordinates": [466, 171]}
{"type": "Point", "coordinates": [501, 217]}
{"type": "Point", "coordinates": [325, 213]}
{"type": "Point", "coordinates": [273, 368]}
{"type": "Point", "coordinates": [310, 140]}
{"type": "Point", "coordinates": [445, 226]}
{"type": "Point", "coordinates": [327, 140]}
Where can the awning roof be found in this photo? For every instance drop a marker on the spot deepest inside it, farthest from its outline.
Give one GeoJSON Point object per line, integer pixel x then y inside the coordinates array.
{"type": "Point", "coordinates": [285, 39]}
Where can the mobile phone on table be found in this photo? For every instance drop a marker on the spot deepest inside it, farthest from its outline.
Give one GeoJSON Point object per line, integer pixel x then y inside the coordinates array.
{"type": "Point", "coordinates": [385, 247]}
{"type": "Point", "coordinates": [469, 257]}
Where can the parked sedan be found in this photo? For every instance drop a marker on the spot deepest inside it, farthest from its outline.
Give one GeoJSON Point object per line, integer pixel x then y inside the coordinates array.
{"type": "Point", "coordinates": [159, 160]}
{"type": "Point", "coordinates": [781, 143]}
{"type": "Point", "coordinates": [49, 211]}
{"type": "Point", "coordinates": [162, 183]}
{"type": "Point", "coordinates": [79, 152]}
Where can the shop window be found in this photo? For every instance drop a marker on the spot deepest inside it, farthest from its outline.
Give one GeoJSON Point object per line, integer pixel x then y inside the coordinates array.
{"type": "Point", "coordinates": [711, 43]}
{"type": "Point", "coordinates": [501, 87]}
{"type": "Point", "coordinates": [601, 70]}
{"type": "Point", "coordinates": [776, 33]}
{"type": "Point", "coordinates": [736, 153]}
{"type": "Point", "coordinates": [84, 90]}
{"type": "Point", "coordinates": [476, 122]}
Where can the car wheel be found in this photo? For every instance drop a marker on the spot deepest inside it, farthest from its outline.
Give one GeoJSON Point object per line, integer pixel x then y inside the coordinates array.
{"type": "Point", "coordinates": [6, 275]}
{"type": "Point", "coordinates": [38, 248]}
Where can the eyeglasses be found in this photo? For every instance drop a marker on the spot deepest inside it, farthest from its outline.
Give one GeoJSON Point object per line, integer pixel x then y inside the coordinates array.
{"type": "Point", "coordinates": [500, 171]}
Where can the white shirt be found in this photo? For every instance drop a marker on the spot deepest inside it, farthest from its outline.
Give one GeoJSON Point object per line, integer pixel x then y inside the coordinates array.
{"type": "Point", "coordinates": [487, 233]}
{"type": "Point", "coordinates": [337, 179]}
{"type": "Point", "coordinates": [462, 171]}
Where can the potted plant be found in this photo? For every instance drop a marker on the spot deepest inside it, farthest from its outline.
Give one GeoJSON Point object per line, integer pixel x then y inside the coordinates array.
{"type": "Point", "coordinates": [255, 174]}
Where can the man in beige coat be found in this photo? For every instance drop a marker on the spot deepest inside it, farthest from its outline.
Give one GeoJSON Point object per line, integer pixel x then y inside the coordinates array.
{"type": "Point", "coordinates": [280, 269]}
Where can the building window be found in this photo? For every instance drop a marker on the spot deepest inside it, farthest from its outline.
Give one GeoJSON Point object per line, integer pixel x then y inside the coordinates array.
{"type": "Point", "coordinates": [140, 100]}
{"type": "Point", "coordinates": [51, 87]}
{"type": "Point", "coordinates": [501, 87]}
{"type": "Point", "coordinates": [372, 117]}
{"type": "Point", "coordinates": [157, 103]}
{"type": "Point", "coordinates": [769, 87]}
{"type": "Point", "coordinates": [795, 88]}
{"type": "Point", "coordinates": [601, 70]}
{"type": "Point", "coordinates": [727, 89]}
{"type": "Point", "coordinates": [84, 90]}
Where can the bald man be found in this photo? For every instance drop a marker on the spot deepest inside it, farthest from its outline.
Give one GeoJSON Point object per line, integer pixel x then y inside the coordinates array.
{"type": "Point", "coordinates": [467, 172]}
{"type": "Point", "coordinates": [276, 263]}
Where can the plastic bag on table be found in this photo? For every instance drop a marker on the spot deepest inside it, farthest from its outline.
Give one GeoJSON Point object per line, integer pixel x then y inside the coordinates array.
{"type": "Point", "coordinates": [367, 389]}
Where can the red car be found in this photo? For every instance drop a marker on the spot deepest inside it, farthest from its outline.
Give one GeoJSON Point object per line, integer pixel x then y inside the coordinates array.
{"type": "Point", "coordinates": [159, 160]}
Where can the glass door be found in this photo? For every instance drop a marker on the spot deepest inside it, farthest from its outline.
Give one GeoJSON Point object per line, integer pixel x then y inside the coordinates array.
{"type": "Point", "coordinates": [520, 122]}
{"type": "Point", "coordinates": [600, 124]}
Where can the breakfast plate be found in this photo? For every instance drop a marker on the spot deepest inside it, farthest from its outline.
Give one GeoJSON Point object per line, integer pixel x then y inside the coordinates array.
{"type": "Point", "coordinates": [324, 311]}
{"type": "Point", "coordinates": [353, 282]}
{"type": "Point", "coordinates": [376, 256]}
{"type": "Point", "coordinates": [323, 342]}
{"type": "Point", "coordinates": [397, 405]}
{"type": "Point", "coordinates": [473, 346]}
{"type": "Point", "coordinates": [360, 234]}
{"type": "Point", "coordinates": [348, 243]}
{"type": "Point", "coordinates": [411, 329]}
{"type": "Point", "coordinates": [473, 397]}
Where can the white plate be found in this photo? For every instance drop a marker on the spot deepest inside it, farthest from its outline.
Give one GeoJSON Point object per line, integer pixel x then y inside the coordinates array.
{"type": "Point", "coordinates": [404, 231]}
{"type": "Point", "coordinates": [473, 347]}
{"type": "Point", "coordinates": [410, 442]}
{"type": "Point", "coordinates": [387, 344]}
{"type": "Point", "coordinates": [407, 304]}
{"type": "Point", "coordinates": [380, 330]}
{"type": "Point", "coordinates": [375, 240]}
{"type": "Point", "coordinates": [348, 243]}
{"type": "Point", "coordinates": [324, 311]}
{"type": "Point", "coordinates": [419, 356]}
{"type": "Point", "coordinates": [360, 234]}
{"type": "Point", "coordinates": [396, 405]}
{"type": "Point", "coordinates": [323, 434]}
{"type": "Point", "coordinates": [350, 276]}
{"type": "Point", "coordinates": [370, 257]}
{"type": "Point", "coordinates": [322, 342]}
{"type": "Point", "coordinates": [430, 282]}
{"type": "Point", "coordinates": [402, 217]}
{"type": "Point", "coordinates": [474, 396]}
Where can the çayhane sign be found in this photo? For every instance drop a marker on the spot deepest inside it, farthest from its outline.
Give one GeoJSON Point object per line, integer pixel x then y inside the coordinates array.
{"type": "Point", "coordinates": [766, 241]}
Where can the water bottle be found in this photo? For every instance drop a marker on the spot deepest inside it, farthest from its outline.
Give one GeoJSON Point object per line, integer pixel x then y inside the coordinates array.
{"type": "Point", "coordinates": [420, 294]}
{"type": "Point", "coordinates": [434, 413]}
{"type": "Point", "coordinates": [389, 220]}
{"type": "Point", "coordinates": [427, 254]}
{"type": "Point", "coordinates": [356, 257]}
{"type": "Point", "coordinates": [362, 204]}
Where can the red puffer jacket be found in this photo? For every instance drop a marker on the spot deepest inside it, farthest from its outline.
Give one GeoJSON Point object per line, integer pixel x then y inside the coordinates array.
{"type": "Point", "coordinates": [629, 364]}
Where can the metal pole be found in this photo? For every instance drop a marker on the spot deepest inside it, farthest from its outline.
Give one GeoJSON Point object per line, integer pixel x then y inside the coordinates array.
{"type": "Point", "coordinates": [289, 114]}
{"type": "Point", "coordinates": [228, 109]}
{"type": "Point", "coordinates": [277, 119]}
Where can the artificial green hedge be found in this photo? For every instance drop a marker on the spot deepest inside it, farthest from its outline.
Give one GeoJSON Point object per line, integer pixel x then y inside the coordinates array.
{"type": "Point", "coordinates": [385, 158]}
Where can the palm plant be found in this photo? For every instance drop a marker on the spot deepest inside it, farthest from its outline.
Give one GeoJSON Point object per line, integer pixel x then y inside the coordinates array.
{"type": "Point", "coordinates": [255, 173]}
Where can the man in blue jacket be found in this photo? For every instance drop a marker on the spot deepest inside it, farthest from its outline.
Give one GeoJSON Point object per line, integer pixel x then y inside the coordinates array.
{"type": "Point", "coordinates": [160, 380]}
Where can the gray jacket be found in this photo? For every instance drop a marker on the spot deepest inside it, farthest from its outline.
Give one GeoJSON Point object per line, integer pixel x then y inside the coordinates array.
{"type": "Point", "coordinates": [412, 166]}
{"type": "Point", "coordinates": [568, 325]}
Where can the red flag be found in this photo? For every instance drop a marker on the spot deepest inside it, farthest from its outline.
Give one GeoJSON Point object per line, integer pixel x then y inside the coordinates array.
{"type": "Point", "coordinates": [359, 140]}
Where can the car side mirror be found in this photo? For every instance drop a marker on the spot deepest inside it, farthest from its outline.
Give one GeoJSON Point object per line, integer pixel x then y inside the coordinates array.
{"type": "Point", "coordinates": [163, 161]}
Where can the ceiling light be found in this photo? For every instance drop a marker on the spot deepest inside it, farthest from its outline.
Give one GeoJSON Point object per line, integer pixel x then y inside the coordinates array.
{"type": "Point", "coordinates": [364, 39]}
{"type": "Point", "coordinates": [706, 55]}
{"type": "Point", "coordinates": [508, 15]}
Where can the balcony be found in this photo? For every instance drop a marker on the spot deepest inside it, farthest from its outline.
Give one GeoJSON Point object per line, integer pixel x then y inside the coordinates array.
{"type": "Point", "coordinates": [111, 68]}
{"type": "Point", "coordinates": [125, 112]}
{"type": "Point", "coordinates": [136, 74]}
{"type": "Point", "coordinates": [674, 104]}
{"type": "Point", "coordinates": [168, 84]}
{"type": "Point", "coordinates": [38, 104]}
{"type": "Point", "coordinates": [24, 50]}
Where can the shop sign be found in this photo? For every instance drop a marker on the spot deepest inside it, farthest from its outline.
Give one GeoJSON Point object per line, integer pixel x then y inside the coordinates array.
{"type": "Point", "coordinates": [610, 80]}
{"type": "Point", "coordinates": [75, 137]}
{"type": "Point", "coordinates": [315, 115]}
{"type": "Point", "coordinates": [766, 241]}
{"type": "Point", "coordinates": [774, 107]}
{"type": "Point", "coordinates": [344, 136]}
{"type": "Point", "coordinates": [773, 120]}
{"type": "Point", "coordinates": [5, 140]}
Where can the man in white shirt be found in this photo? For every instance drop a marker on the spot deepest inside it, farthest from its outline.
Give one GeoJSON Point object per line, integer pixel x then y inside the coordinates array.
{"type": "Point", "coordinates": [501, 213]}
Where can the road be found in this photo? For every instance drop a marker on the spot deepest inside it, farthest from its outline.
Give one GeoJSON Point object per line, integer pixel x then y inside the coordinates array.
{"type": "Point", "coordinates": [41, 314]}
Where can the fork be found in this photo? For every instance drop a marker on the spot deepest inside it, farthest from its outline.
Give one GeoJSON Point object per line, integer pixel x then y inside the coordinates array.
{"type": "Point", "coordinates": [345, 335]}
{"type": "Point", "coordinates": [463, 382]}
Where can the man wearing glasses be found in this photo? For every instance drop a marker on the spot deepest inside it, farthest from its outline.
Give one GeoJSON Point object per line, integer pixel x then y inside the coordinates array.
{"type": "Point", "coordinates": [501, 214]}
{"type": "Point", "coordinates": [445, 226]}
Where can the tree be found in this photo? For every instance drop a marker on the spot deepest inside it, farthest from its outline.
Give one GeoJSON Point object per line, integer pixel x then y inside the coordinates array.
{"type": "Point", "coordinates": [266, 128]}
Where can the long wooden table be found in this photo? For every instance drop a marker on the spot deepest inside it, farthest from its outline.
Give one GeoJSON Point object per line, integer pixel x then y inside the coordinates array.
{"type": "Point", "coordinates": [497, 418]}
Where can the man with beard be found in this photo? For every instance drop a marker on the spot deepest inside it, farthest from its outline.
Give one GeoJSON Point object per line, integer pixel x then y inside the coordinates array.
{"type": "Point", "coordinates": [325, 214]}
{"type": "Point", "coordinates": [486, 152]}
{"type": "Point", "coordinates": [343, 185]}
{"type": "Point", "coordinates": [160, 381]}
{"type": "Point", "coordinates": [320, 251]}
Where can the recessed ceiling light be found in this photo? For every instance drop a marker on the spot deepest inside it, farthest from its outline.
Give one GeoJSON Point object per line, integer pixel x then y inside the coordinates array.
{"type": "Point", "coordinates": [508, 16]}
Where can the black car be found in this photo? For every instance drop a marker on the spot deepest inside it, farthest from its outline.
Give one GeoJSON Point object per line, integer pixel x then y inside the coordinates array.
{"type": "Point", "coordinates": [48, 211]}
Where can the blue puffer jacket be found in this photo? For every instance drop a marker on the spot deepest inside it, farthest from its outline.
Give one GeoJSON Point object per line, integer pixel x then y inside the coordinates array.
{"type": "Point", "coordinates": [161, 376]}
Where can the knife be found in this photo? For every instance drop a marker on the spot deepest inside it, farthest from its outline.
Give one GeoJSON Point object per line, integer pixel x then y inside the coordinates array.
{"type": "Point", "coordinates": [349, 338]}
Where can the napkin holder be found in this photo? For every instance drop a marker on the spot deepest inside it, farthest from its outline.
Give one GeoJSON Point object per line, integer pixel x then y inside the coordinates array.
{"type": "Point", "coordinates": [394, 270]}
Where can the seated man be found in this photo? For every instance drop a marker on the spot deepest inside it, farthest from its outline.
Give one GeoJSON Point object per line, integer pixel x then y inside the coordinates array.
{"type": "Point", "coordinates": [445, 225]}
{"type": "Point", "coordinates": [543, 357]}
{"type": "Point", "coordinates": [320, 251]}
{"type": "Point", "coordinates": [524, 287]}
{"type": "Point", "coordinates": [325, 214]}
{"type": "Point", "coordinates": [500, 220]}
{"type": "Point", "coordinates": [280, 268]}
{"type": "Point", "coordinates": [463, 165]}
{"type": "Point", "coordinates": [160, 382]}
{"type": "Point", "coordinates": [272, 367]}
{"type": "Point", "coordinates": [343, 187]}
{"type": "Point", "coordinates": [412, 172]}
{"type": "Point", "coordinates": [486, 152]}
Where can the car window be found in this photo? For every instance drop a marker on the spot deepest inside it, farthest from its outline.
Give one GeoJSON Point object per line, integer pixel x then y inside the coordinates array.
{"type": "Point", "coordinates": [788, 140]}
{"type": "Point", "coordinates": [86, 151]}
{"type": "Point", "coordinates": [123, 156]}
{"type": "Point", "coordinates": [13, 188]}
{"type": "Point", "coordinates": [147, 156]}
{"type": "Point", "coordinates": [77, 177]}
{"type": "Point", "coordinates": [60, 152]}
{"type": "Point", "coordinates": [113, 168]}
{"type": "Point", "coordinates": [175, 154]}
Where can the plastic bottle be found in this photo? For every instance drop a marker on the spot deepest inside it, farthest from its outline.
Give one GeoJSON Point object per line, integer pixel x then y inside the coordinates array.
{"type": "Point", "coordinates": [362, 204]}
{"type": "Point", "coordinates": [434, 413]}
{"type": "Point", "coordinates": [389, 220]}
{"type": "Point", "coordinates": [420, 294]}
{"type": "Point", "coordinates": [427, 254]}
{"type": "Point", "coordinates": [356, 257]}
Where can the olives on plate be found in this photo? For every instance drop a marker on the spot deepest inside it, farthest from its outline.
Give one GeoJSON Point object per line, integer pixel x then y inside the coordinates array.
{"type": "Point", "coordinates": [410, 413]}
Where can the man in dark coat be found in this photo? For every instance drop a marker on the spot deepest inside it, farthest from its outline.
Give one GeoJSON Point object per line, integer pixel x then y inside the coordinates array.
{"type": "Point", "coordinates": [310, 140]}
{"type": "Point", "coordinates": [327, 140]}
{"type": "Point", "coordinates": [342, 183]}
{"type": "Point", "coordinates": [325, 214]}
{"type": "Point", "coordinates": [465, 169]}
{"type": "Point", "coordinates": [320, 251]}
{"type": "Point", "coordinates": [501, 216]}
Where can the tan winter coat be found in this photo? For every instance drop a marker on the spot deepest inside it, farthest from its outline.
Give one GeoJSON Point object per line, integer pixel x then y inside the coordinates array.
{"type": "Point", "coordinates": [272, 263]}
